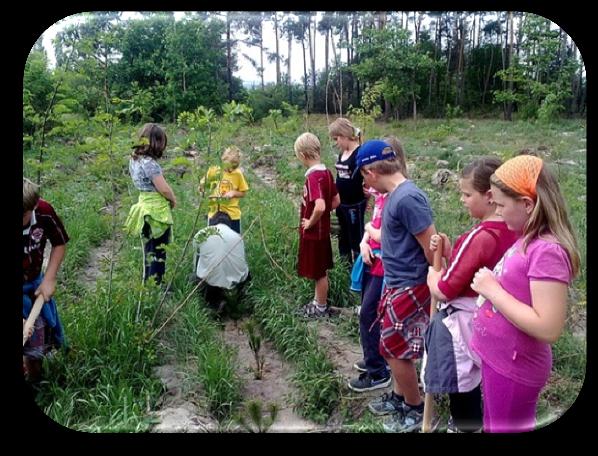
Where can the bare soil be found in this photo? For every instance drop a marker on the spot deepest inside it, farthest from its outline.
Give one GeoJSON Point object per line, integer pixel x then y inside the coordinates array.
{"type": "Point", "coordinates": [274, 387]}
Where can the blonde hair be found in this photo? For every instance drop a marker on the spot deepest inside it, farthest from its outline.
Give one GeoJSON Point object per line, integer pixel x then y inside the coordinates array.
{"type": "Point", "coordinates": [398, 148]}
{"type": "Point", "coordinates": [549, 215]}
{"type": "Point", "coordinates": [343, 127]}
{"type": "Point", "coordinates": [232, 155]}
{"type": "Point", "coordinates": [30, 195]}
{"type": "Point", "coordinates": [308, 145]}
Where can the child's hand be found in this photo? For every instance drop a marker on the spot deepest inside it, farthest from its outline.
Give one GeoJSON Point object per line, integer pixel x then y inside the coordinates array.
{"type": "Point", "coordinates": [446, 244]}
{"type": "Point", "coordinates": [172, 203]}
{"type": "Point", "coordinates": [485, 284]}
{"type": "Point", "coordinates": [46, 288]}
{"type": "Point", "coordinates": [366, 253]}
{"type": "Point", "coordinates": [305, 224]}
{"type": "Point", "coordinates": [230, 194]}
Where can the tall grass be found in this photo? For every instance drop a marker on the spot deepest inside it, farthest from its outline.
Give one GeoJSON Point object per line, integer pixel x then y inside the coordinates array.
{"type": "Point", "coordinates": [104, 382]}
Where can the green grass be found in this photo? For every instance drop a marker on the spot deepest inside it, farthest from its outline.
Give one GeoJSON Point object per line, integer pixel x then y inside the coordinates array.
{"type": "Point", "coordinates": [105, 381]}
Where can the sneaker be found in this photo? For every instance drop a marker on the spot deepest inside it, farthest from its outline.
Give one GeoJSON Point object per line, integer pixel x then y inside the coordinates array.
{"type": "Point", "coordinates": [360, 366]}
{"type": "Point", "coordinates": [365, 382]}
{"type": "Point", "coordinates": [312, 310]}
{"type": "Point", "coordinates": [386, 404]}
{"type": "Point", "coordinates": [408, 421]}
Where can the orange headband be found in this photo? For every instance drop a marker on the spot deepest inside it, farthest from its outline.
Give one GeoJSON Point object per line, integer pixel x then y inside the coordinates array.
{"type": "Point", "coordinates": [520, 174]}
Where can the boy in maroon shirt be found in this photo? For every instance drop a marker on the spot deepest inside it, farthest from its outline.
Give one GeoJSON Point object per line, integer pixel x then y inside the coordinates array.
{"type": "Point", "coordinates": [319, 198]}
{"type": "Point", "coordinates": [40, 223]}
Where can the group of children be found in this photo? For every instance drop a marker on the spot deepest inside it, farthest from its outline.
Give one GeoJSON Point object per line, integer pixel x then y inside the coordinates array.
{"type": "Point", "coordinates": [502, 291]}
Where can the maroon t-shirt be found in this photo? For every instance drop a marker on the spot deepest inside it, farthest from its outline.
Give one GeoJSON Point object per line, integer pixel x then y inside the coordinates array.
{"type": "Point", "coordinates": [481, 246]}
{"type": "Point", "coordinates": [318, 184]}
{"type": "Point", "coordinates": [44, 225]}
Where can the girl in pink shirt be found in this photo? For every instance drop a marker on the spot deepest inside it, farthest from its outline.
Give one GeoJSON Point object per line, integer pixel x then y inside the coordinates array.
{"type": "Point", "coordinates": [451, 367]}
{"type": "Point", "coordinates": [524, 299]}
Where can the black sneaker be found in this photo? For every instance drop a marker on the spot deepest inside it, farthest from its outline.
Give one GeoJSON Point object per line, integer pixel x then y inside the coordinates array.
{"type": "Point", "coordinates": [365, 382]}
{"type": "Point", "coordinates": [386, 404]}
{"type": "Point", "coordinates": [360, 366]}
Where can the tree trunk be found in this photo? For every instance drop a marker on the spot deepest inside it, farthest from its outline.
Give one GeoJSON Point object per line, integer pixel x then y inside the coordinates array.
{"type": "Point", "coordinates": [414, 107]}
{"type": "Point", "coordinates": [504, 66]}
{"type": "Point", "coordinates": [229, 60]}
{"type": "Point", "coordinates": [305, 76]}
{"type": "Point", "coordinates": [448, 66]}
{"type": "Point", "coordinates": [486, 82]}
{"type": "Point", "coordinates": [262, 55]}
{"type": "Point", "coordinates": [461, 36]}
{"type": "Point", "coordinates": [520, 32]}
{"type": "Point", "coordinates": [340, 78]}
{"type": "Point", "coordinates": [326, 52]}
{"type": "Point", "coordinates": [289, 80]}
{"type": "Point", "coordinates": [277, 50]}
{"type": "Point", "coordinates": [433, 69]}
{"type": "Point", "coordinates": [479, 31]}
{"type": "Point", "coordinates": [349, 76]}
{"type": "Point", "coordinates": [511, 35]}
{"type": "Point", "coordinates": [326, 94]}
{"type": "Point", "coordinates": [312, 60]}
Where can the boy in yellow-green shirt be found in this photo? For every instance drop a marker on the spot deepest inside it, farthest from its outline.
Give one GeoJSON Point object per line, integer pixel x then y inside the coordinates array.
{"type": "Point", "coordinates": [226, 184]}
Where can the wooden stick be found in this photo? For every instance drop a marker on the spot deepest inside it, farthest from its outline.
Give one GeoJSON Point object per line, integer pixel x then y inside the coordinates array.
{"type": "Point", "coordinates": [30, 322]}
{"type": "Point", "coordinates": [429, 397]}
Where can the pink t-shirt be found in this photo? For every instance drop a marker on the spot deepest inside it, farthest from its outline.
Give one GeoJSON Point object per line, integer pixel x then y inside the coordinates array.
{"type": "Point", "coordinates": [500, 344]}
{"type": "Point", "coordinates": [377, 269]}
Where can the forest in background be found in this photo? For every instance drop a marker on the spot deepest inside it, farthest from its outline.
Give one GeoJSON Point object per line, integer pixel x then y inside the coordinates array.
{"type": "Point", "coordinates": [391, 65]}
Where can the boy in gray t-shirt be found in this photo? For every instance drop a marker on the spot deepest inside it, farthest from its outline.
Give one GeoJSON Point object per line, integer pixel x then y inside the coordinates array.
{"type": "Point", "coordinates": [407, 226]}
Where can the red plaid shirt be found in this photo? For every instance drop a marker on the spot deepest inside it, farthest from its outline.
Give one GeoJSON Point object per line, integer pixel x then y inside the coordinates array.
{"type": "Point", "coordinates": [44, 224]}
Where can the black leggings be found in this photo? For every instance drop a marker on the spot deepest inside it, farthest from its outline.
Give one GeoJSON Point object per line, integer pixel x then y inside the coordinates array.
{"type": "Point", "coordinates": [155, 255]}
{"type": "Point", "coordinates": [466, 410]}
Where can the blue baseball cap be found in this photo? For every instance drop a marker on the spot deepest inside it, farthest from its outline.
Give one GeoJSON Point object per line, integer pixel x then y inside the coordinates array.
{"type": "Point", "coordinates": [372, 151]}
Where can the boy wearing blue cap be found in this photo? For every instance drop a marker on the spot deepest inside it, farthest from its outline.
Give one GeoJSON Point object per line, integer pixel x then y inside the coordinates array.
{"type": "Point", "coordinates": [403, 310]}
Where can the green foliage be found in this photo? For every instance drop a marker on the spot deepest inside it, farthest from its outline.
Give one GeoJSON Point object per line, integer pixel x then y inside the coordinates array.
{"type": "Point", "coordinates": [257, 423]}
{"type": "Point", "coordinates": [200, 124]}
{"type": "Point", "coordinates": [272, 96]}
{"type": "Point", "coordinates": [254, 337]}
{"type": "Point", "coordinates": [452, 112]}
{"type": "Point", "coordinates": [234, 112]}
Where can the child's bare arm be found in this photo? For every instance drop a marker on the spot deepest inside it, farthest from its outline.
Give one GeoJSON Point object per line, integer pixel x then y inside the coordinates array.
{"type": "Point", "coordinates": [48, 285]}
{"type": "Point", "coordinates": [234, 194]}
{"type": "Point", "coordinates": [423, 239]}
{"type": "Point", "coordinates": [164, 189]}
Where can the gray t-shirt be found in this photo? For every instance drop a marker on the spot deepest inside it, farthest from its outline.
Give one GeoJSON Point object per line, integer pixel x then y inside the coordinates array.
{"type": "Point", "coordinates": [142, 171]}
{"type": "Point", "coordinates": [406, 213]}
